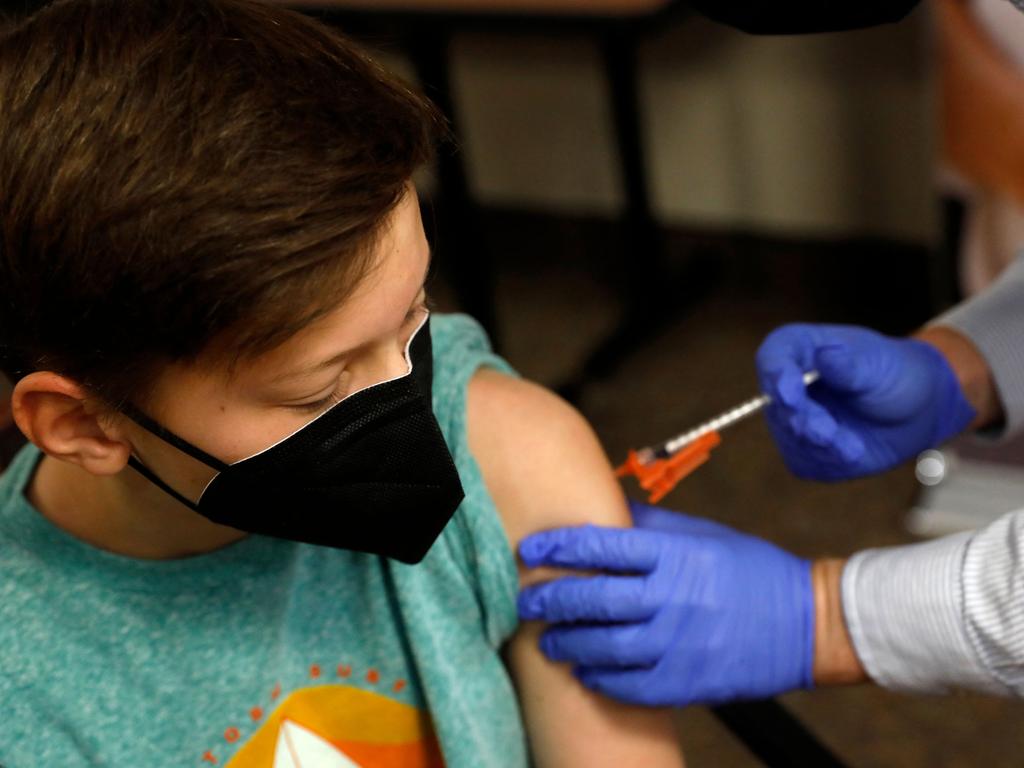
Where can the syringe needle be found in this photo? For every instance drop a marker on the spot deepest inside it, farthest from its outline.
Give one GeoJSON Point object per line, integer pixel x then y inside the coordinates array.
{"type": "Point", "coordinates": [722, 421]}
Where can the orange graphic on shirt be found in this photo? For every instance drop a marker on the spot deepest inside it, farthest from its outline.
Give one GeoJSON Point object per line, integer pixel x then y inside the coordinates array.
{"type": "Point", "coordinates": [337, 726]}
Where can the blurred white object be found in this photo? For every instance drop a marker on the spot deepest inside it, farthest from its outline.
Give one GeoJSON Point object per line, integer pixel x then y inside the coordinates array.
{"type": "Point", "coordinates": [959, 494]}
{"type": "Point", "coordinates": [931, 468]}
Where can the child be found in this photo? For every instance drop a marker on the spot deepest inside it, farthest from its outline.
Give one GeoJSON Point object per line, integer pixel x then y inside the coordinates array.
{"type": "Point", "coordinates": [268, 511]}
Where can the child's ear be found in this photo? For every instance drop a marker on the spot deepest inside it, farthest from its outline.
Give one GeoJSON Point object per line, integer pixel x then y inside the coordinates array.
{"type": "Point", "coordinates": [58, 416]}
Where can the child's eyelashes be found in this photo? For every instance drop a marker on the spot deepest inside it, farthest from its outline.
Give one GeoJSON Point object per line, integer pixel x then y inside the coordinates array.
{"type": "Point", "coordinates": [426, 305]}
{"type": "Point", "coordinates": [338, 394]}
{"type": "Point", "coordinates": [320, 405]}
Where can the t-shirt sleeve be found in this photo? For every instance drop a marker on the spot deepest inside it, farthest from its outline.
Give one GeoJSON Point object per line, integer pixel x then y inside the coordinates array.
{"type": "Point", "coordinates": [476, 535]}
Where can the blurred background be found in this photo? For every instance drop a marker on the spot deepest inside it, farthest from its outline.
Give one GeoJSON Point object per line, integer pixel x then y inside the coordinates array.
{"type": "Point", "coordinates": [637, 196]}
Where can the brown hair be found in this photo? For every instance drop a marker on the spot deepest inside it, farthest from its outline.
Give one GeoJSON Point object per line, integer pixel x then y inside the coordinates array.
{"type": "Point", "coordinates": [183, 175]}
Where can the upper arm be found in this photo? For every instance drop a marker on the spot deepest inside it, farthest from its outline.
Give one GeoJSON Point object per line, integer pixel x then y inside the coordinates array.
{"type": "Point", "coordinates": [545, 468]}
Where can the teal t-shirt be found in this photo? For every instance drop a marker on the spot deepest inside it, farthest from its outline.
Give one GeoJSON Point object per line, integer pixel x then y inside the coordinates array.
{"type": "Point", "coordinates": [264, 653]}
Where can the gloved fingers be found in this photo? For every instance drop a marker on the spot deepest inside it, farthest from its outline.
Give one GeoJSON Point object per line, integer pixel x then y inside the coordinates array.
{"type": "Point", "coordinates": [634, 686]}
{"type": "Point", "coordinates": [782, 359]}
{"type": "Point", "coordinates": [851, 366]}
{"type": "Point", "coordinates": [589, 599]}
{"type": "Point", "coordinates": [592, 548]}
{"type": "Point", "coordinates": [838, 460]}
{"type": "Point", "coordinates": [815, 430]}
{"type": "Point", "coordinates": [651, 518]}
{"type": "Point", "coordinates": [813, 424]}
{"type": "Point", "coordinates": [849, 445]}
{"type": "Point", "coordinates": [603, 646]}
{"type": "Point", "coordinates": [790, 343]}
{"type": "Point", "coordinates": [784, 384]}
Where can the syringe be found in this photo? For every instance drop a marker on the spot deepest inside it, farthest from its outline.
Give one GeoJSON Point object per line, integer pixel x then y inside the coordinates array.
{"type": "Point", "coordinates": [659, 468]}
{"type": "Point", "coordinates": [717, 424]}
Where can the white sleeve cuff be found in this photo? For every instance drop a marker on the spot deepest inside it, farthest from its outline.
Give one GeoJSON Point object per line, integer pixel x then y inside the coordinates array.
{"type": "Point", "coordinates": [904, 610]}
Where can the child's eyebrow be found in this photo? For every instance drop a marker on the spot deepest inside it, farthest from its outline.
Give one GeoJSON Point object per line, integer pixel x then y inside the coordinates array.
{"type": "Point", "coordinates": [332, 361]}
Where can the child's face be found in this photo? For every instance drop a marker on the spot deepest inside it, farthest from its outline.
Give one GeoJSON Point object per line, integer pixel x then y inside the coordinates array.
{"type": "Point", "coordinates": [360, 343]}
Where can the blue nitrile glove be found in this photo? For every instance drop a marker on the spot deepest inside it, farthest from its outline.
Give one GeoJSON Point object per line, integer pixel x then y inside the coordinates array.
{"type": "Point", "coordinates": [700, 614]}
{"type": "Point", "coordinates": [879, 402]}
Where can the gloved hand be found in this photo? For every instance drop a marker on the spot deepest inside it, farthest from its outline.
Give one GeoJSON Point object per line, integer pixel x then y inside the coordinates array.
{"type": "Point", "coordinates": [701, 614]}
{"type": "Point", "coordinates": [879, 402]}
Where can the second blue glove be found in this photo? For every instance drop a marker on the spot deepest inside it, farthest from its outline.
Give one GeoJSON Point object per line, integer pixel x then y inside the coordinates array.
{"type": "Point", "coordinates": [880, 400]}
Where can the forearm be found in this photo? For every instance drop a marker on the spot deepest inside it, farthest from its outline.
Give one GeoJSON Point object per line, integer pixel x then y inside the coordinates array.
{"type": "Point", "coordinates": [972, 371]}
{"type": "Point", "coordinates": [835, 660]}
{"type": "Point", "coordinates": [994, 323]}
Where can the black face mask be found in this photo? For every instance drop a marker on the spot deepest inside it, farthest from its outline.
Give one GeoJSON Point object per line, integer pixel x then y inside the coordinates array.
{"type": "Point", "coordinates": [371, 474]}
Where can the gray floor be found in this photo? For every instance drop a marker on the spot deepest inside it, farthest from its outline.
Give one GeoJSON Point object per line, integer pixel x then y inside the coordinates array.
{"type": "Point", "coordinates": [553, 309]}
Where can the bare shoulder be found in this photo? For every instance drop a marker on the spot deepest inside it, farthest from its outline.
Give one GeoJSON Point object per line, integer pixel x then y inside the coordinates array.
{"type": "Point", "coordinates": [545, 468]}
{"type": "Point", "coordinates": [541, 460]}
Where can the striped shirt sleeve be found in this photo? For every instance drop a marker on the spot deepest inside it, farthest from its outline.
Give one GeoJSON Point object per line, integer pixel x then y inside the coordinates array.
{"type": "Point", "coordinates": [949, 614]}
{"type": "Point", "coordinates": [994, 321]}
{"type": "Point", "coordinates": [942, 615]}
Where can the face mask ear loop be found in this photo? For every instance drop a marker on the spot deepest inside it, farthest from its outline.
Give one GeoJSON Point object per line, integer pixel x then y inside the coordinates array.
{"type": "Point", "coordinates": [169, 437]}
{"type": "Point", "coordinates": [150, 475]}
